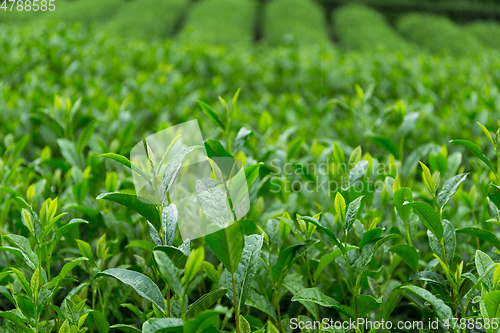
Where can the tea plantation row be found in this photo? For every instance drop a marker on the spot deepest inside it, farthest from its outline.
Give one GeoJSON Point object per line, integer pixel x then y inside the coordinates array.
{"type": "Point", "coordinates": [278, 22]}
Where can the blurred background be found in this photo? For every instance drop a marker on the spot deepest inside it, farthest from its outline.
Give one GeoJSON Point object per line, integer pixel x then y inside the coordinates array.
{"type": "Point", "coordinates": [460, 27]}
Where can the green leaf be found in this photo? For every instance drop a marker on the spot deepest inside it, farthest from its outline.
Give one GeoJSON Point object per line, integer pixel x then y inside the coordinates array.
{"type": "Point", "coordinates": [244, 325]}
{"type": "Point", "coordinates": [449, 239]}
{"type": "Point", "coordinates": [130, 200]}
{"type": "Point", "coordinates": [483, 263]}
{"type": "Point", "coordinates": [492, 304]}
{"type": "Point", "coordinates": [240, 139]}
{"type": "Point", "coordinates": [482, 234]}
{"type": "Point", "coordinates": [388, 145]}
{"type": "Point", "coordinates": [476, 151]}
{"type": "Point", "coordinates": [366, 304]}
{"type": "Point", "coordinates": [328, 258]}
{"type": "Point", "coordinates": [126, 162]}
{"type": "Point", "coordinates": [400, 197]}
{"type": "Point", "coordinates": [193, 265]}
{"type": "Point", "coordinates": [443, 311]}
{"type": "Point", "coordinates": [22, 250]}
{"type": "Point", "coordinates": [22, 280]}
{"type": "Point", "coordinates": [141, 284]}
{"type": "Point", "coordinates": [428, 180]}
{"type": "Point", "coordinates": [370, 236]}
{"type": "Point", "coordinates": [210, 113]}
{"type": "Point", "coordinates": [169, 272]}
{"type": "Point", "coordinates": [408, 253]}
{"type": "Point", "coordinates": [294, 148]}
{"type": "Point", "coordinates": [205, 302]}
{"type": "Point", "coordinates": [67, 268]}
{"type": "Point", "coordinates": [212, 201]}
{"type": "Point", "coordinates": [261, 303]}
{"type": "Point", "coordinates": [295, 288]}
{"type": "Point", "coordinates": [13, 316]}
{"type": "Point", "coordinates": [323, 229]}
{"type": "Point", "coordinates": [429, 277]}
{"type": "Point", "coordinates": [68, 151]}
{"type": "Point", "coordinates": [428, 217]}
{"type": "Point", "coordinates": [153, 233]}
{"type": "Point", "coordinates": [85, 250]}
{"type": "Point", "coordinates": [99, 321]}
{"type": "Point", "coordinates": [340, 207]}
{"type": "Point", "coordinates": [316, 296]}
{"type": "Point", "coordinates": [201, 322]}
{"type": "Point", "coordinates": [169, 217]}
{"type": "Point", "coordinates": [352, 212]}
{"type": "Point", "coordinates": [157, 325]}
{"type": "Point", "coordinates": [142, 244]}
{"type": "Point", "coordinates": [247, 267]}
{"type": "Point", "coordinates": [126, 328]}
{"type": "Point", "coordinates": [227, 245]}
{"type": "Point", "coordinates": [171, 171]}
{"type": "Point", "coordinates": [287, 257]}
{"type": "Point", "coordinates": [450, 187]}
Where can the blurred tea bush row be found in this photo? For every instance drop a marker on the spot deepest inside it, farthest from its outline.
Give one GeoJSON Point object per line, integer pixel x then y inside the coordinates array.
{"type": "Point", "coordinates": [273, 22]}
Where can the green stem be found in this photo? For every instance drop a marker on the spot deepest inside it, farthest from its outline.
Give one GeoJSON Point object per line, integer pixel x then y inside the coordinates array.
{"type": "Point", "coordinates": [235, 300]}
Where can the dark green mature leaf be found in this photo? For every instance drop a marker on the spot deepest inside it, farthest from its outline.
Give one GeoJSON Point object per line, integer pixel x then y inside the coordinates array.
{"type": "Point", "coordinates": [153, 233]}
{"type": "Point", "coordinates": [13, 316]}
{"type": "Point", "coordinates": [370, 236]}
{"type": "Point", "coordinates": [352, 212]}
{"type": "Point", "coordinates": [408, 253]}
{"type": "Point", "coordinates": [450, 187]}
{"type": "Point", "coordinates": [388, 145]}
{"type": "Point", "coordinates": [316, 296]}
{"type": "Point", "coordinates": [99, 321]}
{"type": "Point", "coordinates": [428, 217]}
{"type": "Point", "coordinates": [169, 272]}
{"type": "Point", "coordinates": [449, 239]}
{"type": "Point", "coordinates": [492, 304]}
{"type": "Point", "coordinates": [328, 258]}
{"type": "Point", "coordinates": [287, 257]}
{"type": "Point", "coordinates": [126, 162]}
{"type": "Point", "coordinates": [476, 151]}
{"type": "Point", "coordinates": [212, 201]}
{"type": "Point", "coordinates": [323, 229]}
{"type": "Point", "coordinates": [201, 322]}
{"type": "Point", "coordinates": [295, 288]}
{"type": "Point", "coordinates": [205, 301]}
{"type": "Point", "coordinates": [227, 245]}
{"type": "Point", "coordinates": [247, 267]}
{"type": "Point", "coordinates": [22, 249]}
{"type": "Point", "coordinates": [141, 206]}
{"type": "Point", "coordinates": [157, 325]}
{"type": "Point", "coordinates": [429, 277]}
{"type": "Point", "coordinates": [482, 234]}
{"type": "Point", "coordinates": [366, 304]}
{"type": "Point", "coordinates": [211, 114]}
{"type": "Point", "coordinates": [261, 303]}
{"type": "Point", "coordinates": [443, 311]}
{"type": "Point", "coordinates": [126, 328]}
{"type": "Point", "coordinates": [494, 194]}
{"type": "Point", "coordinates": [169, 219]}
{"type": "Point", "coordinates": [400, 197]}
{"type": "Point", "coordinates": [141, 284]}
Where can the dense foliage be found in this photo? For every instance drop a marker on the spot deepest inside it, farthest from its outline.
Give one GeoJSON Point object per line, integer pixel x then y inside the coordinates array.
{"type": "Point", "coordinates": [362, 28]}
{"type": "Point", "coordinates": [221, 22]}
{"type": "Point", "coordinates": [397, 239]}
{"type": "Point", "coordinates": [487, 32]}
{"type": "Point", "coordinates": [437, 33]}
{"type": "Point", "coordinates": [294, 21]}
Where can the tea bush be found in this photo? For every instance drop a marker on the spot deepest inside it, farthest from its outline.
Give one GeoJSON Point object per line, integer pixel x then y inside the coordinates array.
{"type": "Point", "coordinates": [294, 21]}
{"type": "Point", "coordinates": [362, 28]}
{"type": "Point", "coordinates": [146, 19]}
{"type": "Point", "coordinates": [437, 34]}
{"type": "Point", "coordinates": [408, 228]}
{"type": "Point", "coordinates": [487, 32]}
{"type": "Point", "coordinates": [221, 22]}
